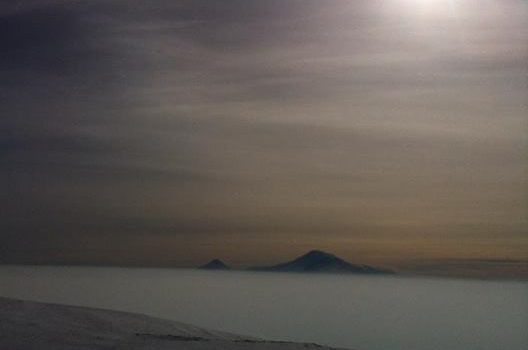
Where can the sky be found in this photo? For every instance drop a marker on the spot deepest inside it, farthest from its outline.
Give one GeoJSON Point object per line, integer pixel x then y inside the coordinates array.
{"type": "Point", "coordinates": [172, 132]}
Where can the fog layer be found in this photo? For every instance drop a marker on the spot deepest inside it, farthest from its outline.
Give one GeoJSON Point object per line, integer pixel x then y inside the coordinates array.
{"type": "Point", "coordinates": [365, 313]}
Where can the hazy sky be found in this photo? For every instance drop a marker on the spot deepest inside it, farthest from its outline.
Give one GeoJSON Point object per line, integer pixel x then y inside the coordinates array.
{"type": "Point", "coordinates": [171, 132]}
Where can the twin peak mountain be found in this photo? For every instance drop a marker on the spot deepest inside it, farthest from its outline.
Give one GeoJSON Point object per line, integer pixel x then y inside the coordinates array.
{"type": "Point", "coordinates": [313, 261]}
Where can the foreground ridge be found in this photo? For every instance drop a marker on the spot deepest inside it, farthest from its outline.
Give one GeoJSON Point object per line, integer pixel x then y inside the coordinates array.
{"type": "Point", "coordinates": [26, 325]}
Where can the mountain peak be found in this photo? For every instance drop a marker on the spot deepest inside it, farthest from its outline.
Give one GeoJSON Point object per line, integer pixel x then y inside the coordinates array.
{"type": "Point", "coordinates": [317, 254]}
{"type": "Point", "coordinates": [320, 261]}
{"type": "Point", "coordinates": [215, 264]}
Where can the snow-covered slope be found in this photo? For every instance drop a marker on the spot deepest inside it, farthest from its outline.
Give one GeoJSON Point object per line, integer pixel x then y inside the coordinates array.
{"type": "Point", "coordinates": [26, 325]}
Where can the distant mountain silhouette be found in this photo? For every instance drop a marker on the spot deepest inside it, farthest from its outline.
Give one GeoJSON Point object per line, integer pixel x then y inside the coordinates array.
{"type": "Point", "coordinates": [215, 264]}
{"type": "Point", "coordinates": [319, 261]}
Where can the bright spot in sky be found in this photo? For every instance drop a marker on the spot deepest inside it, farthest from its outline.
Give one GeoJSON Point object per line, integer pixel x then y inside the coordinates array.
{"type": "Point", "coordinates": [428, 8]}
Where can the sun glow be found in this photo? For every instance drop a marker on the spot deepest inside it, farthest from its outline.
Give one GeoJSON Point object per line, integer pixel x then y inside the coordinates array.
{"type": "Point", "coordinates": [429, 8]}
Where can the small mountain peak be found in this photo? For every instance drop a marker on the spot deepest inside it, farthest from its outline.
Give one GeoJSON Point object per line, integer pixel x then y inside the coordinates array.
{"type": "Point", "coordinates": [215, 264]}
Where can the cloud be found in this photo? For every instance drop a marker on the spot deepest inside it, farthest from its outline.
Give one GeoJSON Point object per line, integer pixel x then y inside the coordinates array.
{"type": "Point", "coordinates": [201, 119]}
